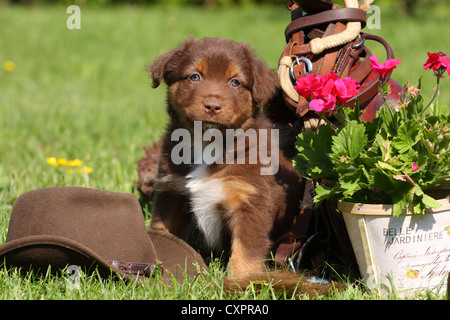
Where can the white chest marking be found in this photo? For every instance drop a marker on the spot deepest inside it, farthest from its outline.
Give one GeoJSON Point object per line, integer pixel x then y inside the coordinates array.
{"type": "Point", "coordinates": [206, 194]}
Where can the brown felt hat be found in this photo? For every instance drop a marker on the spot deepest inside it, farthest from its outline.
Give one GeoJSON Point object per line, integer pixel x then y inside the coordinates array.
{"type": "Point", "coordinates": [88, 228]}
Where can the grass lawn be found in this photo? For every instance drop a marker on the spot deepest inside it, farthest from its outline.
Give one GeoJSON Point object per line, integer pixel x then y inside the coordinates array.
{"type": "Point", "coordinates": [85, 94]}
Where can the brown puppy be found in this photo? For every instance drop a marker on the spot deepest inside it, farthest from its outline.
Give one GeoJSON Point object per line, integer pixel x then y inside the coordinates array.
{"type": "Point", "coordinates": [242, 194]}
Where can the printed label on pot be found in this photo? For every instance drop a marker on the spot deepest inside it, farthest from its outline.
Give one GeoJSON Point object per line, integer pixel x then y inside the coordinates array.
{"type": "Point", "coordinates": [410, 251]}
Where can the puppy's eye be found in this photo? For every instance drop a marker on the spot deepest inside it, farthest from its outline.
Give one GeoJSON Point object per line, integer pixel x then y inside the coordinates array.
{"type": "Point", "coordinates": [194, 77]}
{"type": "Point", "coordinates": [235, 83]}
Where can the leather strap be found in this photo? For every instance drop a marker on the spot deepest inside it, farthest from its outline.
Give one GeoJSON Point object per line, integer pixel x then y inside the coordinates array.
{"type": "Point", "coordinates": [325, 17]}
{"type": "Point", "coordinates": [328, 60]}
{"type": "Point", "coordinates": [389, 51]}
{"type": "Point", "coordinates": [315, 6]}
{"type": "Point", "coordinates": [371, 84]}
{"type": "Point", "coordinates": [290, 244]}
{"type": "Point", "coordinates": [136, 268]}
{"type": "Point", "coordinates": [360, 71]}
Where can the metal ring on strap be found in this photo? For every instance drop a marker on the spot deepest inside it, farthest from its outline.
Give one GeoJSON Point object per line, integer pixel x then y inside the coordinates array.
{"type": "Point", "coordinates": [308, 66]}
{"type": "Point", "coordinates": [287, 77]}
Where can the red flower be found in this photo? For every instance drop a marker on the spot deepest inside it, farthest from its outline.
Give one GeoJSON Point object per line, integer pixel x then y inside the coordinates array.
{"type": "Point", "coordinates": [438, 62]}
{"type": "Point", "coordinates": [384, 68]}
{"type": "Point", "coordinates": [414, 167]}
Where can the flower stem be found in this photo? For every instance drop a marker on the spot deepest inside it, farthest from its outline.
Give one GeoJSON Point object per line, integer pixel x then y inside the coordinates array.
{"type": "Point", "coordinates": [328, 121]}
{"type": "Point", "coordinates": [435, 97]}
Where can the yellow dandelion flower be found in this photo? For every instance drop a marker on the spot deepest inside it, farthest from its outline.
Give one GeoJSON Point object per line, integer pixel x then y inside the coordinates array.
{"type": "Point", "coordinates": [74, 163]}
{"type": "Point", "coordinates": [52, 161]}
{"type": "Point", "coordinates": [62, 161]}
{"type": "Point", "coordinates": [9, 66]}
{"type": "Point", "coordinates": [72, 166]}
{"type": "Point", "coordinates": [84, 169]}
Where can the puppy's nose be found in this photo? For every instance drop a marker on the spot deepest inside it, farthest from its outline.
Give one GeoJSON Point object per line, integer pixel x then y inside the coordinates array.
{"type": "Point", "coordinates": [212, 107]}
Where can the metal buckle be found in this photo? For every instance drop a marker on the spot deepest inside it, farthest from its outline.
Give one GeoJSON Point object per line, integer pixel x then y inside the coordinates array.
{"type": "Point", "coordinates": [298, 260]}
{"type": "Point", "coordinates": [308, 67]}
{"type": "Point", "coordinates": [359, 44]}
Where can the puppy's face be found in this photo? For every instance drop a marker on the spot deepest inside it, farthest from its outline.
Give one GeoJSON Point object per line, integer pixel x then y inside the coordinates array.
{"type": "Point", "coordinates": [216, 81]}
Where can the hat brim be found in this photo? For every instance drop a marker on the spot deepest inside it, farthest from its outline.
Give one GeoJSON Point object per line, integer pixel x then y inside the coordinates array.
{"type": "Point", "coordinates": [35, 252]}
{"type": "Point", "coordinates": [176, 255]}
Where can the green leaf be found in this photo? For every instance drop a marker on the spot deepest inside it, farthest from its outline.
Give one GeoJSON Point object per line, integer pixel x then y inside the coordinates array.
{"type": "Point", "coordinates": [312, 159]}
{"type": "Point", "coordinates": [407, 136]}
{"type": "Point", "coordinates": [349, 142]}
{"type": "Point", "coordinates": [389, 122]}
{"type": "Point", "coordinates": [444, 143]}
{"type": "Point", "coordinates": [430, 202]}
{"type": "Point", "coordinates": [401, 197]}
{"type": "Point", "coordinates": [400, 192]}
{"type": "Point", "coordinates": [418, 207]}
{"type": "Point", "coordinates": [324, 192]}
{"type": "Point", "coordinates": [315, 142]}
{"type": "Point", "coordinates": [399, 206]}
{"type": "Point", "coordinates": [387, 166]}
{"type": "Point", "coordinates": [423, 201]}
{"type": "Point", "coordinates": [418, 191]}
{"type": "Point", "coordinates": [372, 128]}
{"type": "Point", "coordinates": [418, 102]}
{"type": "Point", "coordinates": [409, 156]}
{"type": "Point", "coordinates": [350, 183]}
{"type": "Point", "coordinates": [379, 148]}
{"type": "Point", "coordinates": [345, 115]}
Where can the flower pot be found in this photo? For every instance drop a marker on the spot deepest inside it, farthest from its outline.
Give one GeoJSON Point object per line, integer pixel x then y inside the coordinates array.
{"type": "Point", "coordinates": [406, 253]}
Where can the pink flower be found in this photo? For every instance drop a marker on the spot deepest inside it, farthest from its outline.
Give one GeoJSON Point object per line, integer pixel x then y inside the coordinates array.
{"type": "Point", "coordinates": [323, 104]}
{"type": "Point", "coordinates": [309, 85]}
{"type": "Point", "coordinates": [434, 61]}
{"type": "Point", "coordinates": [330, 77]}
{"type": "Point", "coordinates": [329, 90]}
{"type": "Point", "coordinates": [438, 62]}
{"type": "Point", "coordinates": [346, 88]}
{"type": "Point", "coordinates": [414, 167]}
{"type": "Point", "coordinates": [326, 90]}
{"type": "Point", "coordinates": [384, 68]}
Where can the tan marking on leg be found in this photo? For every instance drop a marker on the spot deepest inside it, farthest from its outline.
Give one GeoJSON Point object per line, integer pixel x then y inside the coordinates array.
{"type": "Point", "coordinates": [241, 263]}
{"type": "Point", "coordinates": [237, 193]}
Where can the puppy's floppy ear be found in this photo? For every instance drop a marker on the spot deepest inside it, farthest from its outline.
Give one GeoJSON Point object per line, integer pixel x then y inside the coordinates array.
{"type": "Point", "coordinates": [265, 80]}
{"type": "Point", "coordinates": [167, 63]}
{"type": "Point", "coordinates": [158, 68]}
